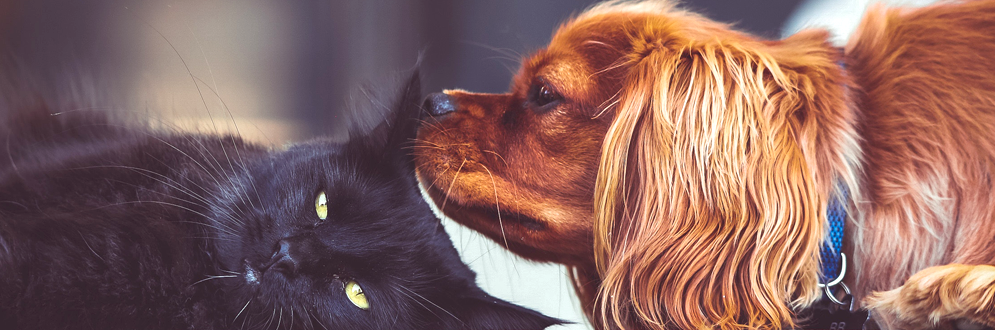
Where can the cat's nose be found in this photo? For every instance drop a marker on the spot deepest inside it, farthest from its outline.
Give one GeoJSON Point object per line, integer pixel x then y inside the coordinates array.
{"type": "Point", "coordinates": [439, 104]}
{"type": "Point", "coordinates": [284, 259]}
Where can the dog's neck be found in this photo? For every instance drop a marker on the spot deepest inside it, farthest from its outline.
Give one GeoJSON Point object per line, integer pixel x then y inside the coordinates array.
{"type": "Point", "coordinates": [833, 260]}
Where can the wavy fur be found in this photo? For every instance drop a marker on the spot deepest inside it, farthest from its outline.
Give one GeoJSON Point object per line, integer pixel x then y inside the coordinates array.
{"type": "Point", "coordinates": [718, 155]}
{"type": "Point", "coordinates": [707, 212]}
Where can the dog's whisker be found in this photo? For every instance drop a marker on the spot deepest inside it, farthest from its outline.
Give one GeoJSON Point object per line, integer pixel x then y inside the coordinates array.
{"type": "Point", "coordinates": [498, 155]}
{"type": "Point", "coordinates": [508, 52]}
{"type": "Point", "coordinates": [423, 141]}
{"type": "Point", "coordinates": [451, 184]}
{"type": "Point", "coordinates": [436, 125]}
{"type": "Point", "coordinates": [438, 177]}
{"type": "Point", "coordinates": [497, 206]}
{"type": "Point", "coordinates": [416, 147]}
{"type": "Point", "coordinates": [514, 185]}
{"type": "Point", "coordinates": [616, 65]}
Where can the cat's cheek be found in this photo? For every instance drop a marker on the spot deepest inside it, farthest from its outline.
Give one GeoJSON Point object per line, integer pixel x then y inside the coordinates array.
{"type": "Point", "coordinates": [251, 275]}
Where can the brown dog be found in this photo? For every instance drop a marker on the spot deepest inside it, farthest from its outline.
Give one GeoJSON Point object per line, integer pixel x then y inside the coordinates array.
{"type": "Point", "coordinates": [683, 169]}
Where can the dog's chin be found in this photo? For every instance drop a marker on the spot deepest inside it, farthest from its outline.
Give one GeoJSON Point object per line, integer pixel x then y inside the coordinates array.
{"type": "Point", "coordinates": [521, 234]}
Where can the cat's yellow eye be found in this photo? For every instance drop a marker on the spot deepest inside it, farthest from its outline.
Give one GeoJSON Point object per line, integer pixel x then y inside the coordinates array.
{"type": "Point", "coordinates": [356, 295]}
{"type": "Point", "coordinates": [321, 206]}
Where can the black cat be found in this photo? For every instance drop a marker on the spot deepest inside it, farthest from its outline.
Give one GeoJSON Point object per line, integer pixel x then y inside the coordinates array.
{"type": "Point", "coordinates": [108, 227]}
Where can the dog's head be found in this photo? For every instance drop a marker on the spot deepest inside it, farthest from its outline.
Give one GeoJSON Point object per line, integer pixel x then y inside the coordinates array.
{"type": "Point", "coordinates": [690, 163]}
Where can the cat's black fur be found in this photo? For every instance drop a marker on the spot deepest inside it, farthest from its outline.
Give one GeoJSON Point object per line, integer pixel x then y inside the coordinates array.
{"type": "Point", "coordinates": [110, 227]}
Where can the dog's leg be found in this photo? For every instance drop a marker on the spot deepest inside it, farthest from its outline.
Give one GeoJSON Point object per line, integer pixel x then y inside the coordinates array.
{"type": "Point", "coordinates": [944, 297]}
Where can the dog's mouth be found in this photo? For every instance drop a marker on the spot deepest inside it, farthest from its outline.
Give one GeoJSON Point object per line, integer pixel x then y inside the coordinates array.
{"type": "Point", "coordinates": [524, 235]}
{"type": "Point", "coordinates": [505, 217]}
{"type": "Point", "coordinates": [480, 217]}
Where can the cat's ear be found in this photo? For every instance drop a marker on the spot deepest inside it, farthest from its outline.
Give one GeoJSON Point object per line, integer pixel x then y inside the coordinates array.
{"type": "Point", "coordinates": [385, 121]}
{"type": "Point", "coordinates": [484, 312]}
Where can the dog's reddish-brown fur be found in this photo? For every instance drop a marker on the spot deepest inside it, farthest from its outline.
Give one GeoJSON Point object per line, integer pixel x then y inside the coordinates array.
{"type": "Point", "coordinates": [684, 169]}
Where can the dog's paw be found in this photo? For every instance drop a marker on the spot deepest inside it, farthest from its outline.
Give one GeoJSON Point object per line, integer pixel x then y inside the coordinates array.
{"type": "Point", "coordinates": [942, 297]}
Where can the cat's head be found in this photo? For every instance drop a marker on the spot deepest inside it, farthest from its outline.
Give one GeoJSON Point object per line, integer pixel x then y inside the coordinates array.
{"type": "Point", "coordinates": [338, 234]}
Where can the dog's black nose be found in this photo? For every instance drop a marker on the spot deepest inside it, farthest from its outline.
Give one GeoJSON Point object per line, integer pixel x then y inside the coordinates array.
{"type": "Point", "coordinates": [438, 104]}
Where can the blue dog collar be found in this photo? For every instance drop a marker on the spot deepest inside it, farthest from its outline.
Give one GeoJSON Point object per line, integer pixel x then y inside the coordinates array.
{"type": "Point", "coordinates": [833, 261]}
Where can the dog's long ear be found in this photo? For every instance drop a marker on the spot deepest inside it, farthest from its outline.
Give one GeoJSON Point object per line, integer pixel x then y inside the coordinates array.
{"type": "Point", "coordinates": [710, 194]}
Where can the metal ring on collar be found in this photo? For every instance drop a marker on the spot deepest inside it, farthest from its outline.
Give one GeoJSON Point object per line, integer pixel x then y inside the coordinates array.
{"type": "Point", "coordinates": [838, 279]}
{"type": "Point", "coordinates": [832, 297]}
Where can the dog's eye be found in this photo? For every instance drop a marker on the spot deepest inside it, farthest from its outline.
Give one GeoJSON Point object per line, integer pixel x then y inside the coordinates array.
{"type": "Point", "coordinates": [544, 95]}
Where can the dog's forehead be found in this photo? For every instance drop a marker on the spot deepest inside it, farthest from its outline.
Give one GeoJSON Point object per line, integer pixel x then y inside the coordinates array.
{"type": "Point", "coordinates": [611, 32]}
{"type": "Point", "coordinates": [564, 69]}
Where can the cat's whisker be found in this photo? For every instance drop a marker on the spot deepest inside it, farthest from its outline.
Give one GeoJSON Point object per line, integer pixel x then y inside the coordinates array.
{"type": "Point", "coordinates": [246, 318]}
{"type": "Point", "coordinates": [224, 105]}
{"type": "Point", "coordinates": [430, 302]}
{"type": "Point", "coordinates": [88, 246]}
{"type": "Point", "coordinates": [219, 226]}
{"type": "Point", "coordinates": [280, 321]}
{"type": "Point", "coordinates": [240, 313]}
{"type": "Point", "coordinates": [291, 318]}
{"type": "Point", "coordinates": [206, 203]}
{"type": "Point", "coordinates": [271, 317]}
{"type": "Point", "coordinates": [220, 169]}
{"type": "Point", "coordinates": [239, 189]}
{"type": "Point", "coordinates": [200, 92]}
{"type": "Point", "coordinates": [417, 302]}
{"type": "Point", "coordinates": [188, 156]}
{"type": "Point", "coordinates": [225, 230]}
{"type": "Point", "coordinates": [10, 156]}
{"type": "Point", "coordinates": [232, 208]}
{"type": "Point", "coordinates": [229, 271]}
{"type": "Point", "coordinates": [307, 319]}
{"type": "Point", "coordinates": [213, 277]}
{"type": "Point", "coordinates": [206, 154]}
{"type": "Point", "coordinates": [318, 321]}
{"type": "Point", "coordinates": [190, 191]}
{"type": "Point", "coordinates": [193, 78]}
{"type": "Point", "coordinates": [252, 183]}
{"type": "Point", "coordinates": [15, 203]}
{"type": "Point", "coordinates": [375, 101]}
{"type": "Point", "coordinates": [148, 174]}
{"type": "Point", "coordinates": [211, 238]}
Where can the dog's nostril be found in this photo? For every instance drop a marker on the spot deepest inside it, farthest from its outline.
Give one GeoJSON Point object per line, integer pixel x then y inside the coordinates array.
{"type": "Point", "coordinates": [438, 104]}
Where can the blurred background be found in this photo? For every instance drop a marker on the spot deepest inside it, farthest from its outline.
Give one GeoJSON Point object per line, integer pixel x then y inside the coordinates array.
{"type": "Point", "coordinates": [284, 70]}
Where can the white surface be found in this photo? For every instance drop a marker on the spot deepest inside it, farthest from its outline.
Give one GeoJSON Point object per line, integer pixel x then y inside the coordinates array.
{"type": "Point", "coordinates": [540, 286]}
{"type": "Point", "coordinates": [543, 287]}
{"type": "Point", "coordinates": [840, 17]}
